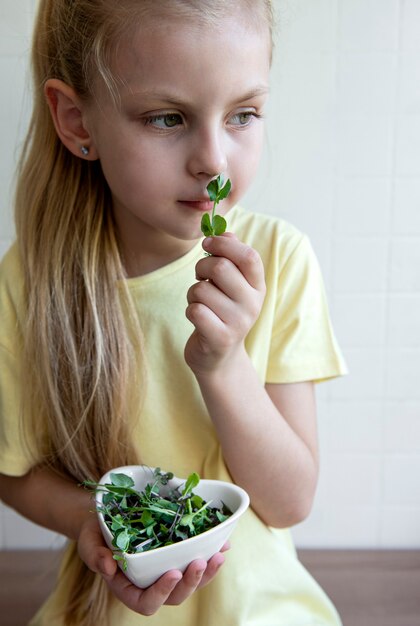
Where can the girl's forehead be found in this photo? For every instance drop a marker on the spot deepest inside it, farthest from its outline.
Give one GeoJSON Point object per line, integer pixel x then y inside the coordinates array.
{"type": "Point", "coordinates": [166, 46]}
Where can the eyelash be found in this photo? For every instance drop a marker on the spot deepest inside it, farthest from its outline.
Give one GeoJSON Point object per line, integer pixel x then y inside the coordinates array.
{"type": "Point", "coordinates": [149, 121]}
{"type": "Point", "coordinates": [153, 118]}
{"type": "Point", "coordinates": [249, 115]}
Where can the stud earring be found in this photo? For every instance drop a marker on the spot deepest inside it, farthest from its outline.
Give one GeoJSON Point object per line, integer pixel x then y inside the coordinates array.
{"type": "Point", "coordinates": [84, 150]}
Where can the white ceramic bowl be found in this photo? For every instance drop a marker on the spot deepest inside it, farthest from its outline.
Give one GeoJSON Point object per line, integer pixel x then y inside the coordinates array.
{"type": "Point", "coordinates": [145, 568]}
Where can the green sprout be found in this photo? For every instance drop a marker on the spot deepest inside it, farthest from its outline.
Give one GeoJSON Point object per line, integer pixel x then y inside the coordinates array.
{"type": "Point", "coordinates": [158, 516]}
{"type": "Point", "coordinates": [217, 190]}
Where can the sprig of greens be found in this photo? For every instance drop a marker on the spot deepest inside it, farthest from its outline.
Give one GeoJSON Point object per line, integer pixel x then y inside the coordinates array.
{"type": "Point", "coordinates": [217, 190]}
{"type": "Point", "coordinates": [157, 516]}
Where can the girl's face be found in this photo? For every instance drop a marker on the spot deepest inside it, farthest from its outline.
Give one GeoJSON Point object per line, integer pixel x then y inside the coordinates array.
{"type": "Point", "coordinates": [191, 101]}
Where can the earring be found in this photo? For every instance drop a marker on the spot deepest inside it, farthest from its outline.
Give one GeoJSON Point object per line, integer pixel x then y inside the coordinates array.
{"type": "Point", "coordinates": [84, 150]}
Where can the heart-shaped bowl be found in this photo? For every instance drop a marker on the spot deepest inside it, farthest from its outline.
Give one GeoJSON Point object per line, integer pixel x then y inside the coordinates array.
{"type": "Point", "coordinates": [144, 568]}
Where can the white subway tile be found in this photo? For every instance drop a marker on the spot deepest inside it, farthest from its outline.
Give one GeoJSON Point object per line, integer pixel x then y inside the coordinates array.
{"type": "Point", "coordinates": [311, 533]}
{"type": "Point", "coordinates": [404, 321]}
{"type": "Point", "coordinates": [20, 533]}
{"type": "Point", "coordinates": [301, 147]}
{"type": "Point", "coordinates": [368, 24]}
{"type": "Point", "coordinates": [359, 320]}
{"type": "Point", "coordinates": [355, 426]}
{"type": "Point", "coordinates": [366, 380]}
{"type": "Point", "coordinates": [15, 27]}
{"type": "Point", "coordinates": [406, 214]}
{"type": "Point", "coordinates": [400, 528]}
{"type": "Point", "coordinates": [408, 146]}
{"type": "Point", "coordinates": [402, 375]}
{"type": "Point", "coordinates": [363, 206]}
{"type": "Point", "coordinates": [409, 92]}
{"type": "Point", "coordinates": [348, 526]}
{"type": "Point", "coordinates": [400, 486]}
{"type": "Point", "coordinates": [354, 478]}
{"type": "Point", "coordinates": [306, 26]}
{"type": "Point", "coordinates": [404, 273]}
{"type": "Point", "coordinates": [402, 429]}
{"type": "Point", "coordinates": [365, 146]}
{"type": "Point", "coordinates": [304, 88]}
{"type": "Point", "coordinates": [367, 83]}
{"type": "Point", "coordinates": [13, 108]}
{"type": "Point", "coordinates": [410, 25]}
{"type": "Point", "coordinates": [359, 265]}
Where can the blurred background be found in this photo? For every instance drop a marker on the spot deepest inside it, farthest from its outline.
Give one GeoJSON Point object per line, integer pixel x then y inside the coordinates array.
{"type": "Point", "coordinates": [342, 163]}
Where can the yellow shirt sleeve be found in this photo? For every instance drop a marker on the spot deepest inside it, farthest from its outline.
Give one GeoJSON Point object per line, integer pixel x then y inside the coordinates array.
{"type": "Point", "coordinates": [303, 345]}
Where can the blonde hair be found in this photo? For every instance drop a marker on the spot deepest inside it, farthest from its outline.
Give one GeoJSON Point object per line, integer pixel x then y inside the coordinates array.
{"type": "Point", "coordinates": [81, 362]}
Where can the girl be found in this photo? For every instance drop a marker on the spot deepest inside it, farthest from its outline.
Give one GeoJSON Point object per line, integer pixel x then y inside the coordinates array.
{"type": "Point", "coordinates": [121, 342]}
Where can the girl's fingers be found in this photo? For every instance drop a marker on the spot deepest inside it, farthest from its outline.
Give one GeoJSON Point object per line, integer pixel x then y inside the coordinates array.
{"type": "Point", "coordinates": [207, 324]}
{"type": "Point", "coordinates": [213, 567]}
{"type": "Point", "coordinates": [93, 550]}
{"type": "Point", "coordinates": [190, 581]}
{"type": "Point", "coordinates": [246, 259]}
{"type": "Point", "coordinates": [206, 293]}
{"type": "Point", "coordinates": [144, 601]}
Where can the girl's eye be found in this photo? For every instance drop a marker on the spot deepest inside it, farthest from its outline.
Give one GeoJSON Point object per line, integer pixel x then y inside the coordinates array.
{"type": "Point", "coordinates": [169, 120]}
{"type": "Point", "coordinates": [242, 119]}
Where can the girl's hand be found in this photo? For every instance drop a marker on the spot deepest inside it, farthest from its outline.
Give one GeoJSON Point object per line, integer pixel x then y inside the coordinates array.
{"type": "Point", "coordinates": [172, 588]}
{"type": "Point", "coordinates": [224, 304]}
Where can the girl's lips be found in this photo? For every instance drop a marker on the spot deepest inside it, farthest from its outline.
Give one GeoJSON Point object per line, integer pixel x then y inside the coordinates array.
{"type": "Point", "coordinates": [199, 205]}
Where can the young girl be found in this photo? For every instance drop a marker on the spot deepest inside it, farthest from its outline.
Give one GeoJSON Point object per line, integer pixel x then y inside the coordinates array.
{"type": "Point", "coordinates": [121, 342]}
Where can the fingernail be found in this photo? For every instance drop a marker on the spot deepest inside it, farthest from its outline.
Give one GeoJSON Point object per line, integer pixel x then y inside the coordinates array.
{"type": "Point", "coordinates": [207, 241]}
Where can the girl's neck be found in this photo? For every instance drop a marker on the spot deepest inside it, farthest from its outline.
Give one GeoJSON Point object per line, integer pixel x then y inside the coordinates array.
{"type": "Point", "coordinates": [139, 260]}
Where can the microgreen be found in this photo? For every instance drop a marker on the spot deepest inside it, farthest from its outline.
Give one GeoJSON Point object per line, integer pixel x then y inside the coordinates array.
{"type": "Point", "coordinates": [217, 190]}
{"type": "Point", "coordinates": [155, 517]}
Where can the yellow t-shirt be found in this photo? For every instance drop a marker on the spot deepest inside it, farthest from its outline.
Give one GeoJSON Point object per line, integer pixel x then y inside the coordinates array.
{"type": "Point", "coordinates": [262, 582]}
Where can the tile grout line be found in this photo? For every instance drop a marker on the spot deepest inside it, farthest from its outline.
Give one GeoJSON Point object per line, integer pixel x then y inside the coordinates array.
{"type": "Point", "coordinates": [389, 289]}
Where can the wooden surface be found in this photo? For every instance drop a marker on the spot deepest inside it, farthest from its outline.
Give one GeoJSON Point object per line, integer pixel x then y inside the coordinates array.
{"type": "Point", "coordinates": [369, 588]}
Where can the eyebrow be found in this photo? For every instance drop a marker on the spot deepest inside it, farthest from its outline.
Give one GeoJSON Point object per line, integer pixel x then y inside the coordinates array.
{"type": "Point", "coordinates": [259, 90]}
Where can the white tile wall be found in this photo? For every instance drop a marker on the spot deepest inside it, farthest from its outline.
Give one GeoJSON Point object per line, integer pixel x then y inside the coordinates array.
{"type": "Point", "coordinates": [342, 163]}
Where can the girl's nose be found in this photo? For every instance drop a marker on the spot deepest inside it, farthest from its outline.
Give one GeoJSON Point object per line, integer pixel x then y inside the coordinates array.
{"type": "Point", "coordinates": [208, 155]}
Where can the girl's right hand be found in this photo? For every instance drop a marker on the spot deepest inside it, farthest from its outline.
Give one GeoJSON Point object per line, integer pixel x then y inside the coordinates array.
{"type": "Point", "coordinates": [172, 588]}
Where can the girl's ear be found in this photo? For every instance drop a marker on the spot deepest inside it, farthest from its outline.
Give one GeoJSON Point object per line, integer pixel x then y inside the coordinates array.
{"type": "Point", "coordinates": [67, 114]}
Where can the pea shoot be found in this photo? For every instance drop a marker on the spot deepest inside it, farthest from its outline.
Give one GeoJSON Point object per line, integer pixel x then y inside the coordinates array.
{"type": "Point", "coordinates": [157, 516]}
{"type": "Point", "coordinates": [217, 190]}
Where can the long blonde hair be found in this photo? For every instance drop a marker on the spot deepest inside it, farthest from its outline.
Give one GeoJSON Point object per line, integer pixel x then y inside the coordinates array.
{"type": "Point", "coordinates": [82, 344]}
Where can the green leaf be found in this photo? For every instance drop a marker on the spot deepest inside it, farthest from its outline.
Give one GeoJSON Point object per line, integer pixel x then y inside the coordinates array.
{"type": "Point", "coordinates": [221, 517]}
{"type": "Point", "coordinates": [122, 541]}
{"type": "Point", "coordinates": [225, 191]}
{"type": "Point", "coordinates": [120, 557]}
{"type": "Point", "coordinates": [122, 480]}
{"type": "Point", "coordinates": [147, 518]}
{"type": "Point", "coordinates": [206, 227]}
{"type": "Point", "coordinates": [213, 189]}
{"type": "Point", "coordinates": [188, 520]}
{"type": "Point", "coordinates": [117, 523]}
{"type": "Point", "coordinates": [192, 482]}
{"type": "Point", "coordinates": [219, 225]}
{"type": "Point", "coordinates": [197, 502]}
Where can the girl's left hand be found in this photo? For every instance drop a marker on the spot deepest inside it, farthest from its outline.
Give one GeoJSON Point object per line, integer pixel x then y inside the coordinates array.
{"type": "Point", "coordinates": [173, 588]}
{"type": "Point", "coordinates": [225, 303]}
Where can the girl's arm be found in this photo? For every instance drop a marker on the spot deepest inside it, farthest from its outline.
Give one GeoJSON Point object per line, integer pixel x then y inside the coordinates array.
{"type": "Point", "coordinates": [60, 505]}
{"type": "Point", "coordinates": [267, 433]}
